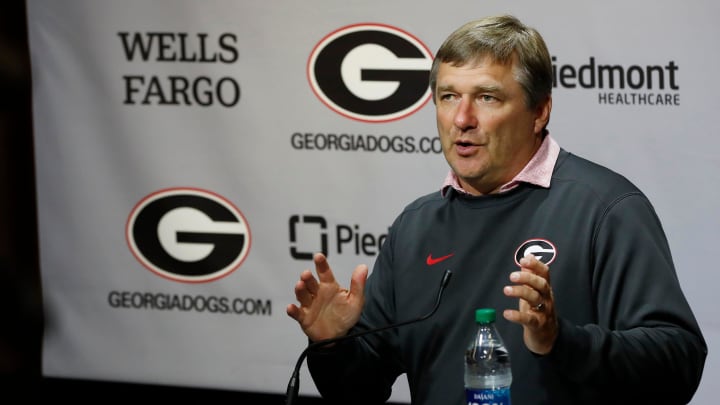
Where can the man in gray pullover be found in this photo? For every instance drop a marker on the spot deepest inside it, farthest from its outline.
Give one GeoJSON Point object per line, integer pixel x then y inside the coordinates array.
{"type": "Point", "coordinates": [571, 253]}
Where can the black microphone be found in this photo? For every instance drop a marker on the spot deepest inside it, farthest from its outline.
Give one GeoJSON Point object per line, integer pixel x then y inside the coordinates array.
{"type": "Point", "coordinates": [294, 384]}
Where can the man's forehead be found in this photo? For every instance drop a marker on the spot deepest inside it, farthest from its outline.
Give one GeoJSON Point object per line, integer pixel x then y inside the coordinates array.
{"type": "Point", "coordinates": [487, 76]}
{"type": "Point", "coordinates": [485, 68]}
{"type": "Point", "coordinates": [486, 59]}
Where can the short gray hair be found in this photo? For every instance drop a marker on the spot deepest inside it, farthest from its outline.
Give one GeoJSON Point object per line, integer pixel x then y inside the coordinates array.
{"type": "Point", "coordinates": [501, 38]}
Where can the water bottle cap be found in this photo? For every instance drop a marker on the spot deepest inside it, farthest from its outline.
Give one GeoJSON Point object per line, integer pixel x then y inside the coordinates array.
{"type": "Point", "coordinates": [484, 315]}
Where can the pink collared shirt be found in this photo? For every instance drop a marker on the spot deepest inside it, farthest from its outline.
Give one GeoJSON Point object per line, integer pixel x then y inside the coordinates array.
{"type": "Point", "coordinates": [538, 171]}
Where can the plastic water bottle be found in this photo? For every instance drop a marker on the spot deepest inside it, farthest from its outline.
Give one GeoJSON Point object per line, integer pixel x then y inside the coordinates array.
{"type": "Point", "coordinates": [487, 364]}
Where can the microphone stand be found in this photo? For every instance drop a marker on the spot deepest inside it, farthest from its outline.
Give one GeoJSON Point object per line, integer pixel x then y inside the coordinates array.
{"type": "Point", "coordinates": [294, 384]}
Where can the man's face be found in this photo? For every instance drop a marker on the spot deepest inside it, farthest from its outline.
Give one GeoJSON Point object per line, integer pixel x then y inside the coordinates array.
{"type": "Point", "coordinates": [487, 132]}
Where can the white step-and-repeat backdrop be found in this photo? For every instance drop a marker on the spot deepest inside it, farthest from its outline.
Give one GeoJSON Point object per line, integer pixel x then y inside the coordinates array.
{"type": "Point", "coordinates": [192, 155]}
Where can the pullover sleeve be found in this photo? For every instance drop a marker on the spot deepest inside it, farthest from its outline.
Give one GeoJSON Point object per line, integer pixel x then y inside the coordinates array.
{"type": "Point", "coordinates": [351, 373]}
{"type": "Point", "coordinates": [646, 341]}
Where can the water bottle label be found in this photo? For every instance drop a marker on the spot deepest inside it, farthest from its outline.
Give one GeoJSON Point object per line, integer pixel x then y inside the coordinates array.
{"type": "Point", "coordinates": [500, 396]}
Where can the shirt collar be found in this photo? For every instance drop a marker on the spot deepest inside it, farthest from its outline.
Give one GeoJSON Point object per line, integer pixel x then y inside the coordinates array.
{"type": "Point", "coordinates": [537, 171]}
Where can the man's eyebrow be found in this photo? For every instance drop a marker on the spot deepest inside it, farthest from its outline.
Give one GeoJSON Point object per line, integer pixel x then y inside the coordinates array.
{"type": "Point", "coordinates": [475, 89]}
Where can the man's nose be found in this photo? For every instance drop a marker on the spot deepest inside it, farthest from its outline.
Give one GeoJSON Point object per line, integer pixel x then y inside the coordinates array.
{"type": "Point", "coordinates": [465, 115]}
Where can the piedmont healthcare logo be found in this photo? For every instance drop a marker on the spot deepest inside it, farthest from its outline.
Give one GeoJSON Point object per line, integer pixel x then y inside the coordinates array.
{"type": "Point", "coordinates": [371, 72]}
{"type": "Point", "coordinates": [621, 84]}
{"type": "Point", "coordinates": [314, 233]}
{"type": "Point", "coordinates": [188, 235]}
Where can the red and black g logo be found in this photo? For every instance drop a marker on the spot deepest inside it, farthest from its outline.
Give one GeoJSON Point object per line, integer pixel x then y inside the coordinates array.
{"type": "Point", "coordinates": [542, 249]}
{"type": "Point", "coordinates": [188, 235]}
{"type": "Point", "coordinates": [371, 72]}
